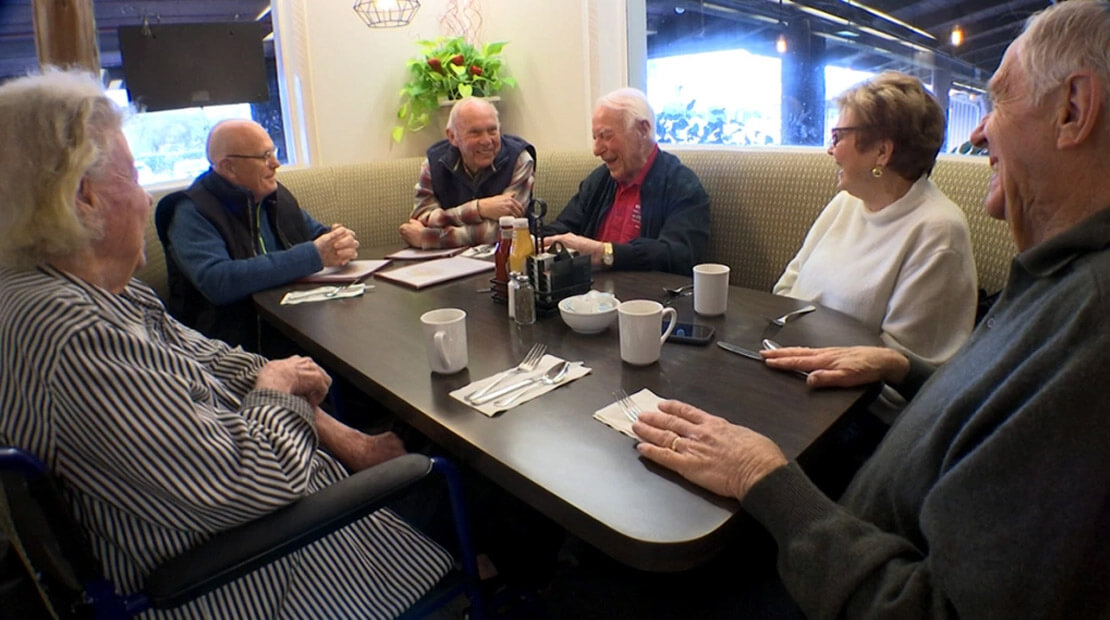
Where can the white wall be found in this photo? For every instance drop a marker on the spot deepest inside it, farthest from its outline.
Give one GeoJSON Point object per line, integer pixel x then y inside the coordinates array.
{"type": "Point", "coordinates": [563, 54]}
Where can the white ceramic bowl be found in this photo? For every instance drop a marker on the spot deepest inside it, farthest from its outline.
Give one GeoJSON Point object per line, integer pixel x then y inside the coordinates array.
{"type": "Point", "coordinates": [591, 313]}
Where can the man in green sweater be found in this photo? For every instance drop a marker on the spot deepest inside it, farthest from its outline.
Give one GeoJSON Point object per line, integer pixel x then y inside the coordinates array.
{"type": "Point", "coordinates": [990, 495]}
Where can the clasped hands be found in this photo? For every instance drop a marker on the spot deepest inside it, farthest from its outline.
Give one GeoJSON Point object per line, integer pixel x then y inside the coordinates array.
{"type": "Point", "coordinates": [729, 459]}
{"type": "Point", "coordinates": [337, 247]}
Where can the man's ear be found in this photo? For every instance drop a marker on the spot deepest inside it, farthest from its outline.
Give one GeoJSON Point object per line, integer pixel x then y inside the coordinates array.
{"type": "Point", "coordinates": [451, 137]}
{"type": "Point", "coordinates": [1080, 109]}
{"type": "Point", "coordinates": [224, 168]}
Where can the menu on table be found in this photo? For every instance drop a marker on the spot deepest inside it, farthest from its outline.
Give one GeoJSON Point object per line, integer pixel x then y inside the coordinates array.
{"type": "Point", "coordinates": [351, 272]}
{"type": "Point", "coordinates": [435, 271]}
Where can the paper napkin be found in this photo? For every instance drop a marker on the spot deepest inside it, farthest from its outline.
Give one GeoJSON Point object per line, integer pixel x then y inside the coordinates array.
{"type": "Point", "coordinates": [613, 416]}
{"type": "Point", "coordinates": [491, 408]}
{"type": "Point", "coordinates": [325, 293]}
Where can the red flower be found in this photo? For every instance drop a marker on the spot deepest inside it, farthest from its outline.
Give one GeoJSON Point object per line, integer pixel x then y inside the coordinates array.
{"type": "Point", "coordinates": [475, 70]}
{"type": "Point", "coordinates": [435, 65]}
{"type": "Point", "coordinates": [457, 59]}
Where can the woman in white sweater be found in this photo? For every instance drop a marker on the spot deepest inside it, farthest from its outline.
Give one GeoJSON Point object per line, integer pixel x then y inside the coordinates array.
{"type": "Point", "coordinates": [890, 249]}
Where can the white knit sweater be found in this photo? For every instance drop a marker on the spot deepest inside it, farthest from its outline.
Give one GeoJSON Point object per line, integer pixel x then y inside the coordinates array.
{"type": "Point", "coordinates": [906, 270]}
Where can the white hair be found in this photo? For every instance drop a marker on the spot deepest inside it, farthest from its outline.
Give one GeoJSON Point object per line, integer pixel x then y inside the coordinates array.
{"type": "Point", "coordinates": [55, 129]}
{"type": "Point", "coordinates": [1064, 38]}
{"type": "Point", "coordinates": [633, 105]}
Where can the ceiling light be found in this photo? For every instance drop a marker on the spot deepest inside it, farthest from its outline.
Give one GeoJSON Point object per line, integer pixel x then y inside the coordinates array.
{"type": "Point", "coordinates": [679, 10]}
{"type": "Point", "coordinates": [957, 35]}
{"type": "Point", "coordinates": [386, 13]}
{"type": "Point", "coordinates": [780, 44]}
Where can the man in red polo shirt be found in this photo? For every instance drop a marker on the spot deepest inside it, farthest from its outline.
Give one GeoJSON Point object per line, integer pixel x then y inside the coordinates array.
{"type": "Point", "coordinates": [642, 209]}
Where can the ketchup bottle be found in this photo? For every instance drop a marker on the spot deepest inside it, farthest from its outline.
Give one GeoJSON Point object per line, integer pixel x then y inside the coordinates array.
{"type": "Point", "coordinates": [501, 259]}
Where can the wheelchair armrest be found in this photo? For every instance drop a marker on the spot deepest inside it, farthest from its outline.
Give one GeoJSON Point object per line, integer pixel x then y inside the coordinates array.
{"type": "Point", "coordinates": [236, 552]}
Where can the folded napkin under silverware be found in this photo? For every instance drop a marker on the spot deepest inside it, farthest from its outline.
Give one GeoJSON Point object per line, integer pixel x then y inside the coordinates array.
{"type": "Point", "coordinates": [530, 385]}
{"type": "Point", "coordinates": [324, 293]}
{"type": "Point", "coordinates": [614, 416]}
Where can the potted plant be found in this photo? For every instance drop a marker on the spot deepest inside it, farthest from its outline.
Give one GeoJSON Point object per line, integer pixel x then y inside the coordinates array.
{"type": "Point", "coordinates": [448, 69]}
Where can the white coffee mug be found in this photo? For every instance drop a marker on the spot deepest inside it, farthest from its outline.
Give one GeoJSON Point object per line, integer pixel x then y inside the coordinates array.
{"type": "Point", "coordinates": [710, 289]}
{"type": "Point", "coordinates": [445, 339]}
{"type": "Point", "coordinates": [641, 321]}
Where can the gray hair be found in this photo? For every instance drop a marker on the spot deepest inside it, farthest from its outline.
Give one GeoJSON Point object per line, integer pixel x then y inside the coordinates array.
{"type": "Point", "coordinates": [453, 117]}
{"type": "Point", "coordinates": [55, 129]}
{"type": "Point", "coordinates": [633, 105]}
{"type": "Point", "coordinates": [1064, 38]}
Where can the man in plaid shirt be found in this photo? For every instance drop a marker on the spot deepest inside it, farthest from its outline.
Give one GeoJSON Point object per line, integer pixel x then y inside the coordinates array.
{"type": "Point", "coordinates": [470, 180]}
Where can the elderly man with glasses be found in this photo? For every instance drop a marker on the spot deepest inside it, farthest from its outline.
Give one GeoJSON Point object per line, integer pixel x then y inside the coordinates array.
{"type": "Point", "coordinates": [236, 231]}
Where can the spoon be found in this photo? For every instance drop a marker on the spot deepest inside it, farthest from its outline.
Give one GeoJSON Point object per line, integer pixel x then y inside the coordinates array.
{"type": "Point", "coordinates": [682, 290]}
{"type": "Point", "coordinates": [786, 318]}
{"type": "Point", "coordinates": [553, 376]}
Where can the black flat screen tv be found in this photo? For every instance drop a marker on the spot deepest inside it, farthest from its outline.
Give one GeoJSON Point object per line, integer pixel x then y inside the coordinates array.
{"type": "Point", "coordinates": [171, 66]}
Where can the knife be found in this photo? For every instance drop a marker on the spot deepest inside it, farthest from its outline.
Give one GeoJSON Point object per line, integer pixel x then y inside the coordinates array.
{"type": "Point", "coordinates": [523, 383]}
{"type": "Point", "coordinates": [753, 355]}
{"type": "Point", "coordinates": [732, 348]}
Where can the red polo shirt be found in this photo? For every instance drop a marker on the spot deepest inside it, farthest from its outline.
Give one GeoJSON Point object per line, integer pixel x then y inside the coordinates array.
{"type": "Point", "coordinates": [622, 223]}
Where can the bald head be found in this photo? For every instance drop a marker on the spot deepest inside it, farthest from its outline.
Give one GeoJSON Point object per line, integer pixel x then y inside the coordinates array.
{"type": "Point", "coordinates": [232, 136]}
{"type": "Point", "coordinates": [242, 152]}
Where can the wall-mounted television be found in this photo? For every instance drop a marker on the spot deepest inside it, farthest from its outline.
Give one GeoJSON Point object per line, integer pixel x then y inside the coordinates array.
{"type": "Point", "coordinates": [171, 66]}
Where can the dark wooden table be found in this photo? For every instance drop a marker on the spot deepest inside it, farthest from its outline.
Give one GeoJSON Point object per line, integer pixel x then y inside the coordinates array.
{"type": "Point", "coordinates": [550, 452]}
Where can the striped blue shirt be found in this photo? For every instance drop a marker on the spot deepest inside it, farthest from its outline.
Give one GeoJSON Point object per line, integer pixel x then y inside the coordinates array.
{"type": "Point", "coordinates": [161, 442]}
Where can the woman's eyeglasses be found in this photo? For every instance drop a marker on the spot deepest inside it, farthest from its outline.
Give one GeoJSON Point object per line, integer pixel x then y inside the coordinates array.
{"type": "Point", "coordinates": [275, 154]}
{"type": "Point", "coordinates": [837, 133]}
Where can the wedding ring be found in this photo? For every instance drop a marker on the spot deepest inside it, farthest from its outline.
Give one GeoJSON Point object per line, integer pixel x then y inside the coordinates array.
{"type": "Point", "coordinates": [674, 444]}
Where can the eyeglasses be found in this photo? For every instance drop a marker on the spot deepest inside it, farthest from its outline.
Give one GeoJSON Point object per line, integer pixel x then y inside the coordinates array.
{"type": "Point", "coordinates": [275, 154]}
{"type": "Point", "coordinates": [837, 131]}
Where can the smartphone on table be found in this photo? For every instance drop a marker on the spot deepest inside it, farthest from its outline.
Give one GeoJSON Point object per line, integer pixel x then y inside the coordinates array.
{"type": "Point", "coordinates": [691, 333]}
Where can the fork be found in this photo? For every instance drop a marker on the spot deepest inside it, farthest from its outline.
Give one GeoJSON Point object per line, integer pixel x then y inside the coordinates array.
{"type": "Point", "coordinates": [784, 319]}
{"type": "Point", "coordinates": [528, 364]}
{"type": "Point", "coordinates": [629, 408]}
{"type": "Point", "coordinates": [339, 289]}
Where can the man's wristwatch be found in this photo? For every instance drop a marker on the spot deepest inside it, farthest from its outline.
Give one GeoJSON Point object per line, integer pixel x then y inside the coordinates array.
{"type": "Point", "coordinates": [607, 255]}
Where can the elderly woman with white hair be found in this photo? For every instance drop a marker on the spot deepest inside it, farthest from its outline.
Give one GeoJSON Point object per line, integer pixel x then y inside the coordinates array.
{"type": "Point", "coordinates": [161, 436]}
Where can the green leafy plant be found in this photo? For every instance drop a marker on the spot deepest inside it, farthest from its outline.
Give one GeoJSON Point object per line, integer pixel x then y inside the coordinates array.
{"type": "Point", "coordinates": [448, 69]}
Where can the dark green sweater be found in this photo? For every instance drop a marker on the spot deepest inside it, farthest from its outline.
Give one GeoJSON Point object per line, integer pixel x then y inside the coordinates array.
{"type": "Point", "coordinates": [990, 495]}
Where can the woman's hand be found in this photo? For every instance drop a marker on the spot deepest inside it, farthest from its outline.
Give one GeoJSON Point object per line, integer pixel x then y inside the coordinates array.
{"type": "Point", "coordinates": [841, 366]}
{"type": "Point", "coordinates": [705, 449]}
{"type": "Point", "coordinates": [296, 375]}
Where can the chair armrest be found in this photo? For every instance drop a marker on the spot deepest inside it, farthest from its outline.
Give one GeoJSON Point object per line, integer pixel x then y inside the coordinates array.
{"type": "Point", "coordinates": [236, 552]}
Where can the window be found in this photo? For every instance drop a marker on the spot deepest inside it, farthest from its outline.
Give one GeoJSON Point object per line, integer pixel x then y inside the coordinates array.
{"type": "Point", "coordinates": [754, 72]}
{"type": "Point", "coordinates": [168, 145]}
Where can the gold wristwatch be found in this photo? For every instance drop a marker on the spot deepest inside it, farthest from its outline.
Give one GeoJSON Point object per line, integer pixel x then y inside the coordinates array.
{"type": "Point", "coordinates": [607, 255]}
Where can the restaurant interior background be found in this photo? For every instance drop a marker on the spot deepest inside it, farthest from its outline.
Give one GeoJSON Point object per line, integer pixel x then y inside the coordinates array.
{"type": "Point", "coordinates": [728, 72]}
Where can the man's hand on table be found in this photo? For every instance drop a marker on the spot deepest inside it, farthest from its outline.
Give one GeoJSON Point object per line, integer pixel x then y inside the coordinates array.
{"type": "Point", "coordinates": [583, 245]}
{"type": "Point", "coordinates": [337, 247]}
{"type": "Point", "coordinates": [705, 449]}
{"type": "Point", "coordinates": [841, 366]}
{"type": "Point", "coordinates": [295, 375]}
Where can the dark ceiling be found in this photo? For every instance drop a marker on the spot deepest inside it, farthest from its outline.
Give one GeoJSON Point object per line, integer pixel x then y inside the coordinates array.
{"type": "Point", "coordinates": [860, 40]}
{"type": "Point", "coordinates": [17, 42]}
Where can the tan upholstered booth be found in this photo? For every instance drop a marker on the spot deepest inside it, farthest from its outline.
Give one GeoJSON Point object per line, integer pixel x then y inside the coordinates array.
{"type": "Point", "coordinates": [763, 202]}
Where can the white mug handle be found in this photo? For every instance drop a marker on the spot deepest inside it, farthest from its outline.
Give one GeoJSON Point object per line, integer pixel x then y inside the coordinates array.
{"type": "Point", "coordinates": [670, 324]}
{"type": "Point", "coordinates": [441, 348]}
